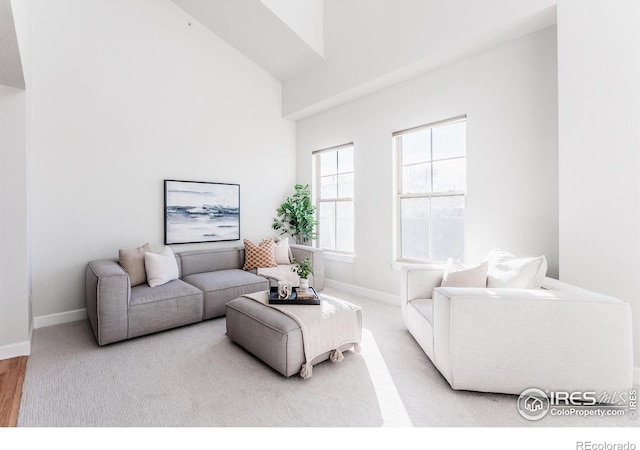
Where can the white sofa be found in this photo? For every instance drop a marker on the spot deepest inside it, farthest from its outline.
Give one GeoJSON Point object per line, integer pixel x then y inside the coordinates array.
{"type": "Point", "coordinates": [557, 338]}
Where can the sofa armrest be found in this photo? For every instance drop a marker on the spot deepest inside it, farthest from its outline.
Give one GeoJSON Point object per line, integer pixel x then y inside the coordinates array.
{"type": "Point", "coordinates": [107, 293]}
{"type": "Point", "coordinates": [513, 336]}
{"type": "Point", "coordinates": [316, 256]}
{"type": "Point", "coordinates": [418, 281]}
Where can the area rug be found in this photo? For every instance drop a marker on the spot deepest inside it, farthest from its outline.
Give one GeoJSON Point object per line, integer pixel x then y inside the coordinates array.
{"type": "Point", "coordinates": [194, 376]}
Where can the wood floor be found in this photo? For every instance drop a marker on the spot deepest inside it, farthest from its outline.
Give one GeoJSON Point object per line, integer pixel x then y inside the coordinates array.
{"type": "Point", "coordinates": [11, 378]}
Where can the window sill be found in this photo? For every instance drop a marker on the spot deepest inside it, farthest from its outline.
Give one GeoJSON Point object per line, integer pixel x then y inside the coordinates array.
{"type": "Point", "coordinates": [399, 265]}
{"type": "Point", "coordinates": [341, 257]}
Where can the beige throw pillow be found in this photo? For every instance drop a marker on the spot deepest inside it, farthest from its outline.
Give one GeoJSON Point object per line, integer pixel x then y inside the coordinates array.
{"type": "Point", "coordinates": [281, 251]}
{"type": "Point", "coordinates": [161, 267]}
{"type": "Point", "coordinates": [458, 275]}
{"type": "Point", "coordinates": [132, 261]}
{"type": "Point", "coordinates": [257, 256]}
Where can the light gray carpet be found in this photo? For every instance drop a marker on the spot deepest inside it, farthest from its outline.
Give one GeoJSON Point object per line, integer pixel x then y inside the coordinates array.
{"type": "Point", "coordinates": [195, 376]}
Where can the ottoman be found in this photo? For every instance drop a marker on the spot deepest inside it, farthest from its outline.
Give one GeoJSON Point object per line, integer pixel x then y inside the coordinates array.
{"type": "Point", "coordinates": [270, 335]}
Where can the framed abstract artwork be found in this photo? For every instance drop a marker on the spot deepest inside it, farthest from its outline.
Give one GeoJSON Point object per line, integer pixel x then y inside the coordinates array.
{"type": "Point", "coordinates": [199, 211]}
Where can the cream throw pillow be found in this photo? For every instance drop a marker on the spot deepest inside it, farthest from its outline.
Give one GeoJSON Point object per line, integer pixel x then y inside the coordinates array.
{"type": "Point", "coordinates": [281, 251]}
{"type": "Point", "coordinates": [257, 256]}
{"type": "Point", "coordinates": [161, 267]}
{"type": "Point", "coordinates": [458, 275]}
{"type": "Point", "coordinates": [509, 271]}
{"type": "Point", "coordinates": [132, 261]}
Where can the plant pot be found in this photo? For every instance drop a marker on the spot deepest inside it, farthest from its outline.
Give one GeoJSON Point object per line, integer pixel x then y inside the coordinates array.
{"type": "Point", "coordinates": [304, 284]}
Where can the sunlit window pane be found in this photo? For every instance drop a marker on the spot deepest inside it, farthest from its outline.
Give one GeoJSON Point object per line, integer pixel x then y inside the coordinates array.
{"type": "Point", "coordinates": [344, 226]}
{"type": "Point", "coordinates": [449, 175]}
{"type": "Point", "coordinates": [329, 187]}
{"type": "Point", "coordinates": [328, 163]}
{"type": "Point", "coordinates": [345, 160]}
{"type": "Point", "coordinates": [416, 178]}
{"type": "Point", "coordinates": [449, 141]}
{"type": "Point", "coordinates": [416, 147]}
{"type": "Point", "coordinates": [447, 228]}
{"type": "Point", "coordinates": [345, 185]}
{"type": "Point", "coordinates": [327, 225]}
{"type": "Point", "coordinates": [415, 227]}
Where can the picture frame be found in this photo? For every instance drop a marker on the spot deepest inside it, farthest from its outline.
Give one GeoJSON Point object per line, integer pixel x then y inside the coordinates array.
{"type": "Point", "coordinates": [201, 211]}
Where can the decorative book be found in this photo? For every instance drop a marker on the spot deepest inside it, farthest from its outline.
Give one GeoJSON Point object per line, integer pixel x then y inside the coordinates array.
{"type": "Point", "coordinates": [307, 294]}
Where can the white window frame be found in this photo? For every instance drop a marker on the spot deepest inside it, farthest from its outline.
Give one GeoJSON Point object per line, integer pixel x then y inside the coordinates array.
{"type": "Point", "coordinates": [397, 145]}
{"type": "Point", "coordinates": [317, 200]}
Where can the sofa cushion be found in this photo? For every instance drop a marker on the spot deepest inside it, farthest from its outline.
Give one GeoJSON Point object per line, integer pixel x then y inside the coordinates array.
{"type": "Point", "coordinates": [160, 267]}
{"type": "Point", "coordinates": [223, 285]}
{"type": "Point", "coordinates": [132, 261]}
{"type": "Point", "coordinates": [425, 307]}
{"type": "Point", "coordinates": [209, 260]}
{"type": "Point", "coordinates": [222, 279]}
{"type": "Point", "coordinates": [154, 309]}
{"type": "Point", "coordinates": [261, 255]}
{"type": "Point", "coordinates": [458, 275]}
{"type": "Point", "coordinates": [173, 289]}
{"type": "Point", "coordinates": [509, 271]}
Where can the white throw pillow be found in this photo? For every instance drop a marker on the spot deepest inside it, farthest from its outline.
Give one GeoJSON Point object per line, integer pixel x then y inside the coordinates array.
{"type": "Point", "coordinates": [281, 251]}
{"type": "Point", "coordinates": [458, 275]}
{"type": "Point", "coordinates": [161, 267]}
{"type": "Point", "coordinates": [509, 271]}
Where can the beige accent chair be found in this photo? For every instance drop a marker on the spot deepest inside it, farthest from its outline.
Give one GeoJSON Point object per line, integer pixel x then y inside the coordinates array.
{"type": "Point", "coordinates": [557, 338]}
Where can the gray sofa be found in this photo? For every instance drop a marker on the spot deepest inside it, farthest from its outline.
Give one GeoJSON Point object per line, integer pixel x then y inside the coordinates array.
{"type": "Point", "coordinates": [208, 280]}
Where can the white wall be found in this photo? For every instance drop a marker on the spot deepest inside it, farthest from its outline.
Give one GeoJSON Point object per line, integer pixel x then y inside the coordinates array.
{"type": "Point", "coordinates": [15, 263]}
{"type": "Point", "coordinates": [599, 148]}
{"type": "Point", "coordinates": [510, 97]}
{"type": "Point", "coordinates": [126, 94]}
{"type": "Point", "coordinates": [15, 307]}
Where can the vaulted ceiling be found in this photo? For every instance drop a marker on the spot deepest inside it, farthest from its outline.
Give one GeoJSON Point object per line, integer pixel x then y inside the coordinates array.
{"type": "Point", "coordinates": [282, 40]}
{"type": "Point", "coordinates": [326, 52]}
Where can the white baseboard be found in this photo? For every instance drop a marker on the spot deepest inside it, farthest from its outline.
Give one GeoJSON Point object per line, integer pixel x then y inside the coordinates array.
{"type": "Point", "coordinates": [15, 350]}
{"type": "Point", "coordinates": [24, 348]}
{"type": "Point", "coordinates": [59, 318]}
{"type": "Point", "coordinates": [357, 290]}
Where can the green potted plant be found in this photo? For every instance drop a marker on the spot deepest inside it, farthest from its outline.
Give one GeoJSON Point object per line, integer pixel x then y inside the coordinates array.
{"type": "Point", "coordinates": [296, 216]}
{"type": "Point", "coordinates": [303, 270]}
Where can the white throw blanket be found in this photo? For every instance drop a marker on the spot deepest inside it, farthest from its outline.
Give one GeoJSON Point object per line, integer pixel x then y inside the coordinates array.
{"type": "Point", "coordinates": [281, 273]}
{"type": "Point", "coordinates": [325, 327]}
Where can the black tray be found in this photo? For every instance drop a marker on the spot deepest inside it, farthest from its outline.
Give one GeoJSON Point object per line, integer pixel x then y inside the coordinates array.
{"type": "Point", "coordinates": [293, 300]}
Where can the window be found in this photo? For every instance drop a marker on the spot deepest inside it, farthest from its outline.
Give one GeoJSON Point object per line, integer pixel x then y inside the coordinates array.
{"type": "Point", "coordinates": [431, 191]}
{"type": "Point", "coordinates": [334, 171]}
